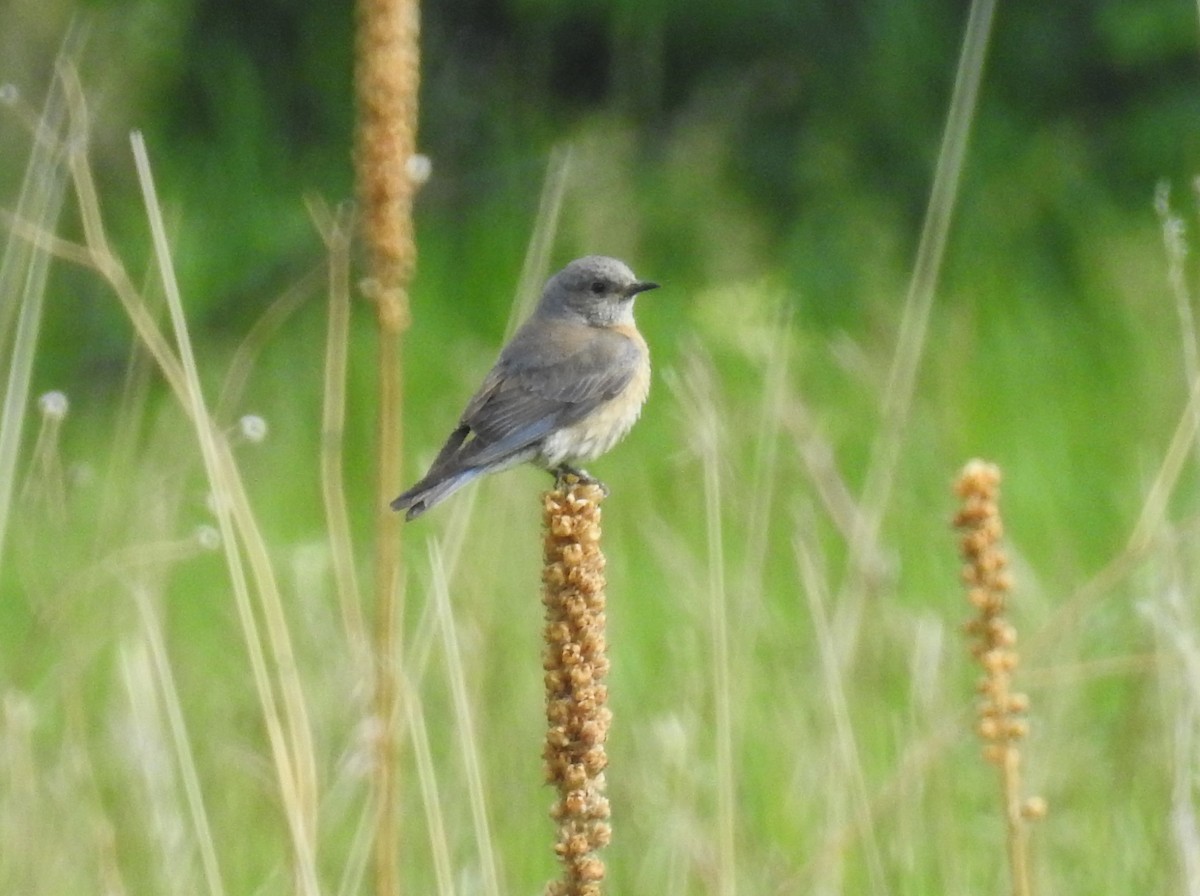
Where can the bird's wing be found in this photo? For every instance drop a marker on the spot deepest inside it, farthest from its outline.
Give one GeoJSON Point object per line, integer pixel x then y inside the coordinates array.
{"type": "Point", "coordinates": [546, 378]}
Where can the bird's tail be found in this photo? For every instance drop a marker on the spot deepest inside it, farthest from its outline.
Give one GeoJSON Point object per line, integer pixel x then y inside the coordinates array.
{"type": "Point", "coordinates": [432, 490]}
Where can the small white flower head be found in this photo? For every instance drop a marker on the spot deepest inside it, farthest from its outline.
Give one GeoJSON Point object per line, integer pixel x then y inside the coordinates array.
{"type": "Point", "coordinates": [252, 427]}
{"type": "Point", "coordinates": [370, 287]}
{"type": "Point", "coordinates": [1174, 230]}
{"type": "Point", "coordinates": [1162, 198]}
{"type": "Point", "coordinates": [208, 537]}
{"type": "Point", "coordinates": [671, 736]}
{"type": "Point", "coordinates": [81, 474]}
{"type": "Point", "coordinates": [360, 758]}
{"type": "Point", "coordinates": [9, 94]}
{"type": "Point", "coordinates": [419, 168]}
{"type": "Point", "coordinates": [53, 405]}
{"type": "Point", "coordinates": [19, 713]}
{"type": "Point", "coordinates": [213, 503]}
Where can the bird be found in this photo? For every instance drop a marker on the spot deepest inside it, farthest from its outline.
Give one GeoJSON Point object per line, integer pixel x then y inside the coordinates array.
{"type": "Point", "coordinates": [566, 388]}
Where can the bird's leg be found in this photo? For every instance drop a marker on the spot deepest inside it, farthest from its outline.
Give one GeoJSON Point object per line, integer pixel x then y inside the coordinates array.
{"type": "Point", "coordinates": [566, 475]}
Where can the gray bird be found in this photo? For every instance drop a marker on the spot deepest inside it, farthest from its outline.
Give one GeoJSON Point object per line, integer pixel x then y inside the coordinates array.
{"type": "Point", "coordinates": [567, 387]}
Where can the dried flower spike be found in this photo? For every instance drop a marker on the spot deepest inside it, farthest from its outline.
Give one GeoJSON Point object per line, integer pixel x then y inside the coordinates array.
{"type": "Point", "coordinates": [1001, 723]}
{"type": "Point", "coordinates": [575, 665]}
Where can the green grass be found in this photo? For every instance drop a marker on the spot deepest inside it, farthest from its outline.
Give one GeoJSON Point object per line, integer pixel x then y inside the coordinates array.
{"type": "Point", "coordinates": [793, 706]}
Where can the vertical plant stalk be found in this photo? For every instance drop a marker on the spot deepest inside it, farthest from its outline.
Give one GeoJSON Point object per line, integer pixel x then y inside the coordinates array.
{"type": "Point", "coordinates": [337, 236]}
{"type": "Point", "coordinates": [576, 664]}
{"type": "Point", "coordinates": [1001, 710]}
{"type": "Point", "coordinates": [387, 74]}
{"type": "Point", "coordinates": [918, 304]}
{"type": "Point", "coordinates": [23, 274]}
{"type": "Point", "coordinates": [284, 709]}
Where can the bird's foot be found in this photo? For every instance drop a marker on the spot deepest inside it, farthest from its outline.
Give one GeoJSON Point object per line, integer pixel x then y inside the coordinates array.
{"type": "Point", "coordinates": [565, 476]}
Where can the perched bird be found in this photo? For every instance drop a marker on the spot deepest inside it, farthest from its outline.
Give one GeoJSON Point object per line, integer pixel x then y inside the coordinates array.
{"type": "Point", "coordinates": [567, 387]}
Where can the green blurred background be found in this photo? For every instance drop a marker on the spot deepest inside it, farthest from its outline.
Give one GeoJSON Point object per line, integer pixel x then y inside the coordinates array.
{"type": "Point", "coordinates": [794, 140]}
{"type": "Point", "coordinates": [783, 143]}
{"type": "Point", "coordinates": [784, 148]}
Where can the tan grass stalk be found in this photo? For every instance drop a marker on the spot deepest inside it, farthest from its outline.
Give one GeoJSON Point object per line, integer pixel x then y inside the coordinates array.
{"type": "Point", "coordinates": [387, 74]}
{"type": "Point", "coordinates": [172, 707]}
{"type": "Point", "coordinates": [292, 746]}
{"type": "Point", "coordinates": [333, 431]}
{"type": "Point", "coordinates": [251, 573]}
{"type": "Point", "coordinates": [918, 304]}
{"type": "Point", "coordinates": [23, 273]}
{"type": "Point", "coordinates": [1174, 237]}
{"type": "Point", "coordinates": [435, 822]}
{"type": "Point", "coordinates": [464, 720]}
{"type": "Point", "coordinates": [1001, 710]}
{"type": "Point", "coordinates": [718, 606]}
{"type": "Point", "coordinates": [46, 480]}
{"type": "Point", "coordinates": [536, 263]}
{"type": "Point", "coordinates": [261, 334]}
{"type": "Point", "coordinates": [576, 664]}
{"type": "Point", "coordinates": [816, 590]}
{"type": "Point", "coordinates": [694, 391]}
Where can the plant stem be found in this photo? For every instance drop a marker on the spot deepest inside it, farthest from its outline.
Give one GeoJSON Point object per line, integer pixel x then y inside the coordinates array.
{"type": "Point", "coordinates": [387, 75]}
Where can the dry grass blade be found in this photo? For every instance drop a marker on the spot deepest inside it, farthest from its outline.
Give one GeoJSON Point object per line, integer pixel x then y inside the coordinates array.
{"type": "Point", "coordinates": [455, 664]}
{"type": "Point", "coordinates": [537, 253]}
{"type": "Point", "coordinates": [292, 751]}
{"type": "Point", "coordinates": [1175, 246]}
{"type": "Point", "coordinates": [910, 343]}
{"type": "Point", "coordinates": [264, 329]}
{"type": "Point", "coordinates": [1172, 615]}
{"type": "Point", "coordinates": [333, 431]}
{"type": "Point", "coordinates": [169, 699]}
{"type": "Point", "coordinates": [439, 845]}
{"type": "Point", "coordinates": [816, 590]}
{"type": "Point", "coordinates": [23, 272]}
{"type": "Point", "coordinates": [695, 391]}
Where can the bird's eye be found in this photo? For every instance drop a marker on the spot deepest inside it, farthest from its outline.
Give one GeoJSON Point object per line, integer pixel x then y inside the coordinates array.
{"type": "Point", "coordinates": [597, 287]}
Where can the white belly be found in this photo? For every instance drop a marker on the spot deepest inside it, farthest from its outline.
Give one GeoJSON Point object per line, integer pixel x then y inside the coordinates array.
{"type": "Point", "coordinates": [602, 429]}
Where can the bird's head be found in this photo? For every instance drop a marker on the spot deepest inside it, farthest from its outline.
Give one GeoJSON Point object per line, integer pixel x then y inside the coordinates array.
{"type": "Point", "coordinates": [598, 289]}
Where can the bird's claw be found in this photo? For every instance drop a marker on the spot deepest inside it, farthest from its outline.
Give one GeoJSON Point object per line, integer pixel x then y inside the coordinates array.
{"type": "Point", "coordinates": [566, 476]}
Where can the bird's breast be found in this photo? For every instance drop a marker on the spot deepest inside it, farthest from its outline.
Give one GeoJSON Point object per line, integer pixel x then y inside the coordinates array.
{"type": "Point", "coordinates": [609, 422]}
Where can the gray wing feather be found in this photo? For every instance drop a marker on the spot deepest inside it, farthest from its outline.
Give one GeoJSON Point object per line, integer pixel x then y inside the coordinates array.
{"type": "Point", "coordinates": [550, 375]}
{"type": "Point", "coordinates": [564, 374]}
{"type": "Point", "coordinates": [546, 378]}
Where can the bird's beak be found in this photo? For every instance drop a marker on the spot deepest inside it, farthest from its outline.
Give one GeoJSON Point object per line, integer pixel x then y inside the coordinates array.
{"type": "Point", "coordinates": [643, 286]}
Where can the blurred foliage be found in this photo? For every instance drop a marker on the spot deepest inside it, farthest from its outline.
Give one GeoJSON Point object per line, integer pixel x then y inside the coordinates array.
{"type": "Point", "coordinates": [803, 133]}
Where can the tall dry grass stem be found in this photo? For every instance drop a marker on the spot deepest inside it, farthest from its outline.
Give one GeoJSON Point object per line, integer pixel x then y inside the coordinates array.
{"type": "Point", "coordinates": [387, 74]}
{"type": "Point", "coordinates": [537, 253]}
{"type": "Point", "coordinates": [46, 482]}
{"type": "Point", "coordinates": [1001, 711]}
{"type": "Point", "coordinates": [576, 664]}
{"type": "Point", "coordinates": [1174, 237]}
{"type": "Point", "coordinates": [23, 272]}
{"type": "Point", "coordinates": [336, 235]}
{"type": "Point", "coordinates": [251, 573]}
{"type": "Point", "coordinates": [914, 323]}
{"type": "Point", "coordinates": [263, 332]}
{"type": "Point", "coordinates": [181, 741]}
{"type": "Point", "coordinates": [285, 709]}
{"type": "Point", "coordinates": [464, 720]}
{"type": "Point", "coordinates": [435, 822]}
{"type": "Point", "coordinates": [695, 390]}
{"type": "Point", "coordinates": [816, 590]}
{"type": "Point", "coordinates": [1171, 611]}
